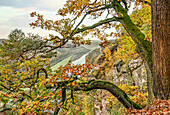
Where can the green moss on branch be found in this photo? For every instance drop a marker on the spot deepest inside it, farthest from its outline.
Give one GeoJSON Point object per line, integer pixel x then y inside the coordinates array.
{"type": "Point", "coordinates": [101, 22]}
{"type": "Point", "coordinates": [113, 89]}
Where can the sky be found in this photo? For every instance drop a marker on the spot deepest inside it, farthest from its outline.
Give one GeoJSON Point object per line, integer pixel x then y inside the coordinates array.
{"type": "Point", "coordinates": [16, 14]}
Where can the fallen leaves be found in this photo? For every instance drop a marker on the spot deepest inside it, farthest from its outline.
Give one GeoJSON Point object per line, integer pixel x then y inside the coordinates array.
{"type": "Point", "coordinates": [159, 107]}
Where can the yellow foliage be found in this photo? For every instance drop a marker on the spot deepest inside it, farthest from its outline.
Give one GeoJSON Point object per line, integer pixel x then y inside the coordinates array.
{"type": "Point", "coordinates": [138, 96]}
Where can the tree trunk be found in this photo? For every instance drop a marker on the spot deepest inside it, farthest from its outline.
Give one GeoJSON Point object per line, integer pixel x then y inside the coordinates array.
{"type": "Point", "coordinates": [161, 48]}
{"type": "Point", "coordinates": [143, 47]}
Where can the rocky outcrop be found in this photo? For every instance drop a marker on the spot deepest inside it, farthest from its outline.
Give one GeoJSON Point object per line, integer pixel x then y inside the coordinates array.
{"type": "Point", "coordinates": [133, 73]}
{"type": "Point", "coordinates": [138, 70]}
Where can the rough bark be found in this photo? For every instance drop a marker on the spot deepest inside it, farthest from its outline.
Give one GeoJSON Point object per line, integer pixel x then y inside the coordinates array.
{"type": "Point", "coordinates": [161, 47]}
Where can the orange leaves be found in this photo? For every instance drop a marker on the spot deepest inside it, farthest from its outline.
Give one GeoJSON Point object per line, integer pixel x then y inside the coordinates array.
{"type": "Point", "coordinates": [62, 26]}
{"type": "Point", "coordinates": [5, 95]}
{"type": "Point", "coordinates": [60, 66]}
{"type": "Point", "coordinates": [44, 82]}
{"type": "Point", "coordinates": [50, 93]}
{"type": "Point", "coordinates": [159, 107]}
{"type": "Point", "coordinates": [73, 7]}
{"type": "Point", "coordinates": [74, 70]}
{"type": "Point", "coordinates": [87, 60]}
{"type": "Point", "coordinates": [73, 84]}
{"type": "Point", "coordinates": [104, 43]}
{"type": "Point", "coordinates": [33, 14]}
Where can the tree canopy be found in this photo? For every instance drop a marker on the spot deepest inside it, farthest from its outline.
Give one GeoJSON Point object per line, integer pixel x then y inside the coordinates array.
{"type": "Point", "coordinates": [27, 81]}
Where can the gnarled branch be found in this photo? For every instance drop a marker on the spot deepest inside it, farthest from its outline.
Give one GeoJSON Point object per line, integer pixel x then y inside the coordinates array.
{"type": "Point", "coordinates": [113, 89]}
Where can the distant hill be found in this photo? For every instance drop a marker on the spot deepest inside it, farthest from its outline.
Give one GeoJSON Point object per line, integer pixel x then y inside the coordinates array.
{"type": "Point", "coordinates": [67, 51]}
{"type": "Point", "coordinates": [75, 52]}
{"type": "Point", "coordinates": [95, 44]}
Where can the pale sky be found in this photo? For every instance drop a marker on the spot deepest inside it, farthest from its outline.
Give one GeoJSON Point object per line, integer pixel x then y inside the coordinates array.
{"type": "Point", "coordinates": [15, 14]}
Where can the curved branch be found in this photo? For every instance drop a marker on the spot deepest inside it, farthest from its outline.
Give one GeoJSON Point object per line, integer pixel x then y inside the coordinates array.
{"type": "Point", "coordinates": [113, 89]}
{"type": "Point", "coordinates": [102, 8]}
{"type": "Point", "coordinates": [101, 22]}
{"type": "Point", "coordinates": [79, 24]}
{"type": "Point", "coordinates": [38, 72]}
{"type": "Point", "coordinates": [144, 47]}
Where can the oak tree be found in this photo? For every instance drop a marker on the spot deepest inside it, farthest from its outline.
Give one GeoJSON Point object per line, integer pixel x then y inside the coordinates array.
{"type": "Point", "coordinates": [45, 90]}
{"type": "Point", "coordinates": [113, 11]}
{"type": "Point", "coordinates": [161, 46]}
